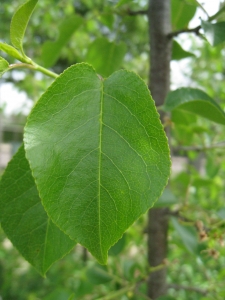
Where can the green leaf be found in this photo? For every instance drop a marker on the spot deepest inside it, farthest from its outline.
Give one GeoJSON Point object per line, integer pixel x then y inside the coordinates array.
{"type": "Point", "coordinates": [214, 33]}
{"type": "Point", "coordinates": [181, 117]}
{"type": "Point", "coordinates": [51, 50]}
{"type": "Point", "coordinates": [118, 247]}
{"type": "Point", "coordinates": [182, 13]}
{"type": "Point", "coordinates": [178, 52]}
{"type": "Point", "coordinates": [106, 57]}
{"type": "Point", "coordinates": [4, 65]}
{"type": "Point", "coordinates": [98, 153]}
{"type": "Point", "coordinates": [19, 23]}
{"type": "Point", "coordinates": [195, 101]}
{"type": "Point", "coordinates": [187, 235]}
{"type": "Point", "coordinates": [12, 52]}
{"type": "Point", "coordinates": [122, 2]}
{"type": "Point", "coordinates": [24, 219]}
{"type": "Point", "coordinates": [98, 275]}
{"type": "Point", "coordinates": [166, 199]}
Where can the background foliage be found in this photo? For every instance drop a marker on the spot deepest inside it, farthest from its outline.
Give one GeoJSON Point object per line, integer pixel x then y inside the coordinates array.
{"type": "Point", "coordinates": [196, 254]}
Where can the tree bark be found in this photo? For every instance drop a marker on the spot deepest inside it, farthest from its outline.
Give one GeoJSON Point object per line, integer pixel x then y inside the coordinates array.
{"type": "Point", "coordinates": [159, 84]}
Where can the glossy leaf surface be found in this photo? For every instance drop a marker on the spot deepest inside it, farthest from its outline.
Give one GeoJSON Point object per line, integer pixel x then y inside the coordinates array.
{"type": "Point", "coordinates": [215, 33]}
{"type": "Point", "coordinates": [24, 219]}
{"type": "Point", "coordinates": [98, 153]}
{"type": "Point", "coordinates": [51, 49]}
{"type": "Point", "coordinates": [19, 23]}
{"type": "Point", "coordinates": [106, 57]}
{"type": "Point", "coordinates": [195, 101]}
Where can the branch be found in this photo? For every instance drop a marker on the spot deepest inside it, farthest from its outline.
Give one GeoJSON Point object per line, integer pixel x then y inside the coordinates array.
{"type": "Point", "coordinates": [188, 288]}
{"type": "Point", "coordinates": [186, 30]}
{"type": "Point", "coordinates": [138, 12]}
{"type": "Point", "coordinates": [200, 148]}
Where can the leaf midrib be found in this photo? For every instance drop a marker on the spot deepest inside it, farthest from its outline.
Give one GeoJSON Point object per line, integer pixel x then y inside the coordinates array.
{"type": "Point", "coordinates": [99, 168]}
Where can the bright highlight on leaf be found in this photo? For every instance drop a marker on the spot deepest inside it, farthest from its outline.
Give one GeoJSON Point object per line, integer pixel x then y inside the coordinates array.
{"type": "Point", "coordinates": [24, 219]}
{"type": "Point", "coordinates": [195, 101]}
{"type": "Point", "coordinates": [51, 49]}
{"type": "Point", "coordinates": [215, 33]}
{"type": "Point", "coordinates": [98, 153]}
{"type": "Point", "coordinates": [19, 23]}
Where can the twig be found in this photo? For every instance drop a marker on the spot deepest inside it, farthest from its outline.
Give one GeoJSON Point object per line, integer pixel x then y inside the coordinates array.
{"type": "Point", "coordinates": [138, 12]}
{"type": "Point", "coordinates": [200, 148]}
{"type": "Point", "coordinates": [188, 288]}
{"type": "Point", "coordinates": [185, 30]}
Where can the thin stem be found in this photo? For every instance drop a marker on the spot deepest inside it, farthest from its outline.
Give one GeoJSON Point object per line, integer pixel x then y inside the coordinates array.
{"type": "Point", "coordinates": [118, 293]}
{"type": "Point", "coordinates": [34, 67]}
{"type": "Point", "coordinates": [185, 30]}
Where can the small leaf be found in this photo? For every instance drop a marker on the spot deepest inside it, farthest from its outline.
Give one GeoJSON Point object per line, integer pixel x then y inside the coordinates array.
{"type": "Point", "coordinates": [100, 157]}
{"type": "Point", "coordinates": [19, 23]}
{"type": "Point", "coordinates": [215, 33]}
{"type": "Point", "coordinates": [12, 52]}
{"type": "Point", "coordinates": [98, 275]}
{"type": "Point", "coordinates": [24, 219]}
{"type": "Point", "coordinates": [178, 52]}
{"type": "Point", "coordinates": [187, 235]}
{"type": "Point", "coordinates": [195, 101]}
{"type": "Point", "coordinates": [51, 50]}
{"type": "Point", "coordinates": [106, 57]}
{"type": "Point", "coordinates": [4, 65]}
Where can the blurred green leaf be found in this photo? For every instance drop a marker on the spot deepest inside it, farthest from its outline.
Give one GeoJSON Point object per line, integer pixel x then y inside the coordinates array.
{"type": "Point", "coordinates": [187, 235]}
{"type": "Point", "coordinates": [107, 18]}
{"type": "Point", "coordinates": [118, 247]}
{"type": "Point", "coordinates": [4, 65]}
{"type": "Point", "coordinates": [11, 51]}
{"type": "Point", "coordinates": [122, 2]}
{"type": "Point", "coordinates": [182, 13]}
{"type": "Point", "coordinates": [181, 117]}
{"type": "Point", "coordinates": [215, 33]}
{"type": "Point", "coordinates": [195, 101]}
{"type": "Point", "coordinates": [98, 275]}
{"type": "Point", "coordinates": [179, 53]}
{"type": "Point", "coordinates": [19, 23]}
{"type": "Point", "coordinates": [106, 57]}
{"type": "Point", "coordinates": [167, 199]}
{"type": "Point", "coordinates": [59, 294]}
{"type": "Point", "coordinates": [51, 49]}
{"type": "Point", "coordinates": [24, 219]}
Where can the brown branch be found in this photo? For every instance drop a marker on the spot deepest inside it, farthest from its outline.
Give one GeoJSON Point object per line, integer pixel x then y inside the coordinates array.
{"type": "Point", "coordinates": [186, 30]}
{"type": "Point", "coordinates": [135, 13]}
{"type": "Point", "coordinates": [188, 288]}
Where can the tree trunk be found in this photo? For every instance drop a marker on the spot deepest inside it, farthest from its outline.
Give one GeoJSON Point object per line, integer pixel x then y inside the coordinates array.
{"type": "Point", "coordinates": [159, 83]}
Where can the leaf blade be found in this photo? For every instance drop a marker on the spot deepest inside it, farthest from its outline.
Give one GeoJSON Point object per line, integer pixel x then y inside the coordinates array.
{"type": "Point", "coordinates": [214, 32]}
{"type": "Point", "coordinates": [92, 178]}
{"type": "Point", "coordinates": [19, 23]}
{"type": "Point", "coordinates": [25, 222]}
{"type": "Point", "coordinates": [195, 101]}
